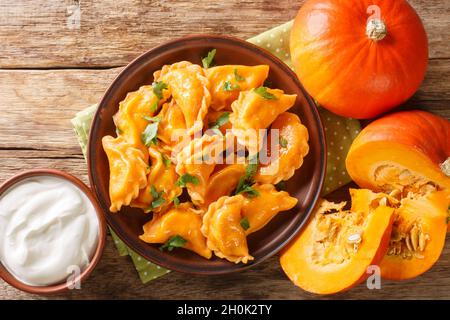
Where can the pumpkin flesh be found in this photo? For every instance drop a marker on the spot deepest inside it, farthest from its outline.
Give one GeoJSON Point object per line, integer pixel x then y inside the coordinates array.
{"type": "Point", "coordinates": [333, 251]}
{"type": "Point", "coordinates": [413, 143]}
{"type": "Point", "coordinates": [418, 236]}
{"type": "Point", "coordinates": [402, 155]}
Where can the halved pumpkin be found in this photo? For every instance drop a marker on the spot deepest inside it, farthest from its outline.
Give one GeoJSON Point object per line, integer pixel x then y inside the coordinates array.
{"type": "Point", "coordinates": [408, 151]}
{"type": "Point", "coordinates": [418, 236]}
{"type": "Point", "coordinates": [337, 246]}
{"type": "Point", "coordinates": [407, 154]}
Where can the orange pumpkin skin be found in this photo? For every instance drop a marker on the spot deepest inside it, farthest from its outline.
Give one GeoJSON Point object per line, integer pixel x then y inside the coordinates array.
{"type": "Point", "coordinates": [415, 140]}
{"type": "Point", "coordinates": [350, 73]}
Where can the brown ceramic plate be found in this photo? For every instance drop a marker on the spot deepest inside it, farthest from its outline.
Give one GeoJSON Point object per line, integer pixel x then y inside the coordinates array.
{"type": "Point", "coordinates": [64, 286]}
{"type": "Point", "coordinates": [305, 185]}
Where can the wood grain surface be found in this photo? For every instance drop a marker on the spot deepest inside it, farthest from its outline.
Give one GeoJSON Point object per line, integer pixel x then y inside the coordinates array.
{"type": "Point", "coordinates": [49, 71]}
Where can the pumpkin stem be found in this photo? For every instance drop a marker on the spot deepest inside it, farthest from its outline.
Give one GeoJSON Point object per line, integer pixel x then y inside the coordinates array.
{"type": "Point", "coordinates": [376, 29]}
{"type": "Point", "coordinates": [445, 167]}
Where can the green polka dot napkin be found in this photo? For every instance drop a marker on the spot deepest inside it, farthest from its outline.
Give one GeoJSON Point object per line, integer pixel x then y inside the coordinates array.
{"type": "Point", "coordinates": [339, 131]}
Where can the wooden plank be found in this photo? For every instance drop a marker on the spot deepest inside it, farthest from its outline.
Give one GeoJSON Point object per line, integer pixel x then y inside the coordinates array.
{"type": "Point", "coordinates": [37, 105]}
{"type": "Point", "coordinates": [115, 278]}
{"type": "Point", "coordinates": [36, 34]}
{"type": "Point", "coordinates": [16, 160]}
{"type": "Point", "coordinates": [436, 84]}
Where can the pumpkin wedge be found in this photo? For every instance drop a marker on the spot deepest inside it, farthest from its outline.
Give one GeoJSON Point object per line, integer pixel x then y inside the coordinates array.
{"type": "Point", "coordinates": [333, 251]}
{"type": "Point", "coordinates": [407, 155]}
{"type": "Point", "coordinates": [418, 236]}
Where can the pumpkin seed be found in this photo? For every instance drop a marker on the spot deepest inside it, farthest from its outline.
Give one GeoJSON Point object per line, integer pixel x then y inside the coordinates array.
{"type": "Point", "coordinates": [422, 242]}
{"type": "Point", "coordinates": [414, 237]}
{"type": "Point", "coordinates": [354, 238]}
{"type": "Point", "coordinates": [418, 256]}
{"type": "Point", "coordinates": [408, 243]}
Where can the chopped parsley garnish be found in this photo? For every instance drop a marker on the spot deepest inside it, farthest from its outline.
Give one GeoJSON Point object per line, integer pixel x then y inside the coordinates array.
{"type": "Point", "coordinates": [176, 202]}
{"type": "Point", "coordinates": [252, 166]}
{"type": "Point", "coordinates": [154, 192]}
{"type": "Point", "coordinates": [230, 87]}
{"type": "Point", "coordinates": [245, 182]}
{"type": "Point", "coordinates": [249, 191]}
{"type": "Point", "coordinates": [152, 119]}
{"type": "Point", "coordinates": [220, 121]}
{"type": "Point", "coordinates": [174, 242]}
{"type": "Point", "coordinates": [262, 91]}
{"type": "Point", "coordinates": [149, 135]}
{"type": "Point", "coordinates": [245, 224]}
{"type": "Point", "coordinates": [118, 131]}
{"type": "Point", "coordinates": [187, 178]}
{"type": "Point", "coordinates": [154, 106]}
{"type": "Point", "coordinates": [158, 88]}
{"type": "Point", "coordinates": [283, 142]}
{"type": "Point", "coordinates": [167, 162]}
{"type": "Point", "coordinates": [158, 198]}
{"type": "Point", "coordinates": [158, 202]}
{"type": "Point", "coordinates": [280, 186]}
{"type": "Point", "coordinates": [208, 61]}
{"type": "Point", "coordinates": [237, 76]}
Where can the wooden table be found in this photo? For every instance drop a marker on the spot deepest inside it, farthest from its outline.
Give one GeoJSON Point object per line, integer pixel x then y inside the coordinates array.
{"type": "Point", "coordinates": [50, 69]}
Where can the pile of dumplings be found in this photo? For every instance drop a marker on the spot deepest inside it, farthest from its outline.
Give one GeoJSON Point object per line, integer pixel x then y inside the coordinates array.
{"type": "Point", "coordinates": [204, 206]}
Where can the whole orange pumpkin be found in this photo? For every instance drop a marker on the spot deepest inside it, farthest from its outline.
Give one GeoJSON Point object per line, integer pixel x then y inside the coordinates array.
{"type": "Point", "coordinates": [359, 58]}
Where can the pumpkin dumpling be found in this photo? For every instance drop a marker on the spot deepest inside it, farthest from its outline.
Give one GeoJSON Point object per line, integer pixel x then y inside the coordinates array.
{"type": "Point", "coordinates": [292, 147]}
{"type": "Point", "coordinates": [130, 119]}
{"type": "Point", "coordinates": [222, 182]}
{"type": "Point", "coordinates": [254, 111]}
{"type": "Point", "coordinates": [128, 171]}
{"type": "Point", "coordinates": [189, 88]}
{"type": "Point", "coordinates": [172, 126]}
{"type": "Point", "coordinates": [161, 186]}
{"type": "Point", "coordinates": [227, 81]}
{"type": "Point", "coordinates": [333, 251]}
{"type": "Point", "coordinates": [223, 230]}
{"type": "Point", "coordinates": [418, 236]}
{"type": "Point", "coordinates": [261, 209]}
{"type": "Point", "coordinates": [183, 221]}
{"type": "Point", "coordinates": [196, 162]}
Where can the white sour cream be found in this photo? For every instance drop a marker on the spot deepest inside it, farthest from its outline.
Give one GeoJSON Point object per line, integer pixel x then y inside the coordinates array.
{"type": "Point", "coordinates": [48, 226]}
